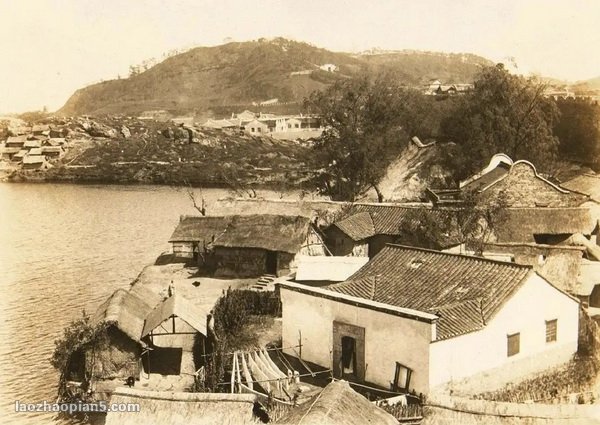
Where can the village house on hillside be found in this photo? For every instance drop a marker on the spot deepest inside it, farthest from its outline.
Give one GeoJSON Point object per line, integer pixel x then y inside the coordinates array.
{"type": "Point", "coordinates": [368, 228]}
{"type": "Point", "coordinates": [414, 319]}
{"type": "Point", "coordinates": [247, 245]}
{"type": "Point", "coordinates": [278, 126]}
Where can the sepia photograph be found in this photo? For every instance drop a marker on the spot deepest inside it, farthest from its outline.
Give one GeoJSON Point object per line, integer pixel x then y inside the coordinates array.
{"type": "Point", "coordinates": [334, 212]}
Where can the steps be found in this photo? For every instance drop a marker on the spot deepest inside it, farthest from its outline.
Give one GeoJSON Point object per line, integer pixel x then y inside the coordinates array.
{"type": "Point", "coordinates": [264, 283]}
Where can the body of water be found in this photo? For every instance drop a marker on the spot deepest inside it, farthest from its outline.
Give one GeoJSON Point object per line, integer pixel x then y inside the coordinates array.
{"type": "Point", "coordinates": [64, 248]}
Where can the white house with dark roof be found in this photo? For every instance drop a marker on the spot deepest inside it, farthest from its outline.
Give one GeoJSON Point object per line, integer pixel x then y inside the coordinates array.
{"type": "Point", "coordinates": [415, 319]}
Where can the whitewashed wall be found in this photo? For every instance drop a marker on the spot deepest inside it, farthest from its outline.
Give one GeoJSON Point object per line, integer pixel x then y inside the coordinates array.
{"type": "Point", "coordinates": [526, 312]}
{"type": "Point", "coordinates": [388, 338]}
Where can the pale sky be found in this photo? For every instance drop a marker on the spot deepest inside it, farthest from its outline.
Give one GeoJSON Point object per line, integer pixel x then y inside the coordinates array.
{"type": "Point", "coordinates": [50, 48]}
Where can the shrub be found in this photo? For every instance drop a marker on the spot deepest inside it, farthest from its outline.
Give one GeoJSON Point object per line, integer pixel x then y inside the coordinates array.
{"type": "Point", "coordinates": [76, 338]}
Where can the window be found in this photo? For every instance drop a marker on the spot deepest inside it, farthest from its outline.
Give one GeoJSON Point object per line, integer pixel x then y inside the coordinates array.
{"type": "Point", "coordinates": [551, 326]}
{"type": "Point", "coordinates": [401, 378]}
{"type": "Point", "coordinates": [513, 345]}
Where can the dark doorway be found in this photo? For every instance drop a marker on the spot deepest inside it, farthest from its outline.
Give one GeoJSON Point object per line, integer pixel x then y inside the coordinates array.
{"type": "Point", "coordinates": [595, 297]}
{"type": "Point", "coordinates": [195, 252]}
{"type": "Point", "coordinates": [163, 360]}
{"type": "Point", "coordinates": [348, 356]}
{"type": "Point", "coordinates": [271, 262]}
{"type": "Point", "coordinates": [76, 369]}
{"type": "Point", "coordinates": [348, 351]}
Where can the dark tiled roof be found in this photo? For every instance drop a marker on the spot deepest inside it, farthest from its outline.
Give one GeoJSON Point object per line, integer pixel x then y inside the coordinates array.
{"type": "Point", "coordinates": [366, 221]}
{"type": "Point", "coordinates": [487, 179]}
{"type": "Point", "coordinates": [466, 292]}
{"type": "Point", "coordinates": [358, 226]}
{"type": "Point", "coordinates": [199, 228]}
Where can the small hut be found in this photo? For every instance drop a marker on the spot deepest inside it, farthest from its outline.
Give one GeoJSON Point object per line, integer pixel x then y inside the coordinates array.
{"type": "Point", "coordinates": [170, 331]}
{"type": "Point", "coordinates": [253, 245]}
{"type": "Point", "coordinates": [124, 313]}
{"type": "Point", "coordinates": [337, 404]}
{"type": "Point", "coordinates": [178, 408]}
{"type": "Point", "coordinates": [194, 234]}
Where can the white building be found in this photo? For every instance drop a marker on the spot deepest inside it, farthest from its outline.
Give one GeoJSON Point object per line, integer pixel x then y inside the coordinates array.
{"type": "Point", "coordinates": [415, 319]}
{"type": "Point", "coordinates": [329, 67]}
{"type": "Point", "coordinates": [256, 127]}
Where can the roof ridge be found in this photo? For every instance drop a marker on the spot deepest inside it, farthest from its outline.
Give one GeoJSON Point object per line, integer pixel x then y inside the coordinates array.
{"type": "Point", "coordinates": [456, 303]}
{"type": "Point", "coordinates": [468, 257]}
{"type": "Point", "coordinates": [373, 288]}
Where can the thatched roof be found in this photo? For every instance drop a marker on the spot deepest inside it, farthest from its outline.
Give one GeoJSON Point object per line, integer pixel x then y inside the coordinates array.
{"type": "Point", "coordinates": [162, 407]}
{"type": "Point", "coordinates": [520, 224]}
{"type": "Point", "coordinates": [178, 306]}
{"type": "Point", "coordinates": [337, 404]}
{"type": "Point", "coordinates": [124, 310]}
{"type": "Point", "coordinates": [272, 232]}
{"type": "Point", "coordinates": [465, 291]}
{"type": "Point", "coordinates": [587, 184]}
{"type": "Point", "coordinates": [199, 228]}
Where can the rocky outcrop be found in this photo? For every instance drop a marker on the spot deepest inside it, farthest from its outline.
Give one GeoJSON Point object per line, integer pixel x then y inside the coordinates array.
{"type": "Point", "coordinates": [125, 132]}
{"type": "Point", "coordinates": [100, 130]}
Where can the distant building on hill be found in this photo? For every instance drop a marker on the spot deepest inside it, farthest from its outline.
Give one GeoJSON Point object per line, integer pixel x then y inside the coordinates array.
{"type": "Point", "coordinates": [256, 127]}
{"type": "Point", "coordinates": [329, 67]}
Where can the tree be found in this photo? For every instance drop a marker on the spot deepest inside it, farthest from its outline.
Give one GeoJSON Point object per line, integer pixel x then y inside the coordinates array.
{"type": "Point", "coordinates": [503, 113]}
{"type": "Point", "coordinates": [470, 223]}
{"type": "Point", "coordinates": [366, 120]}
{"type": "Point", "coordinates": [578, 130]}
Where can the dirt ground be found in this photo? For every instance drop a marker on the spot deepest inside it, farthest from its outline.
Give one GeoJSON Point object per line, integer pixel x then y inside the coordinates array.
{"type": "Point", "coordinates": [153, 282]}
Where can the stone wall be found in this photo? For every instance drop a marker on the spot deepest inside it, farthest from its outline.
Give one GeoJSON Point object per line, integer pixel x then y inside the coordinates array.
{"type": "Point", "coordinates": [522, 188]}
{"type": "Point", "coordinates": [559, 265]}
{"type": "Point", "coordinates": [240, 262]}
{"type": "Point", "coordinates": [450, 410]}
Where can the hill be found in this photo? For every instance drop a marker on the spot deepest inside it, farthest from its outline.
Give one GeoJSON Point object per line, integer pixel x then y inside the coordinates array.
{"type": "Point", "coordinates": [593, 84]}
{"type": "Point", "coordinates": [237, 74]}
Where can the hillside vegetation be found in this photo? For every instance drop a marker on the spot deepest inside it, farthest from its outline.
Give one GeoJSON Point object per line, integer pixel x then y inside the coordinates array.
{"type": "Point", "coordinates": [237, 74]}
